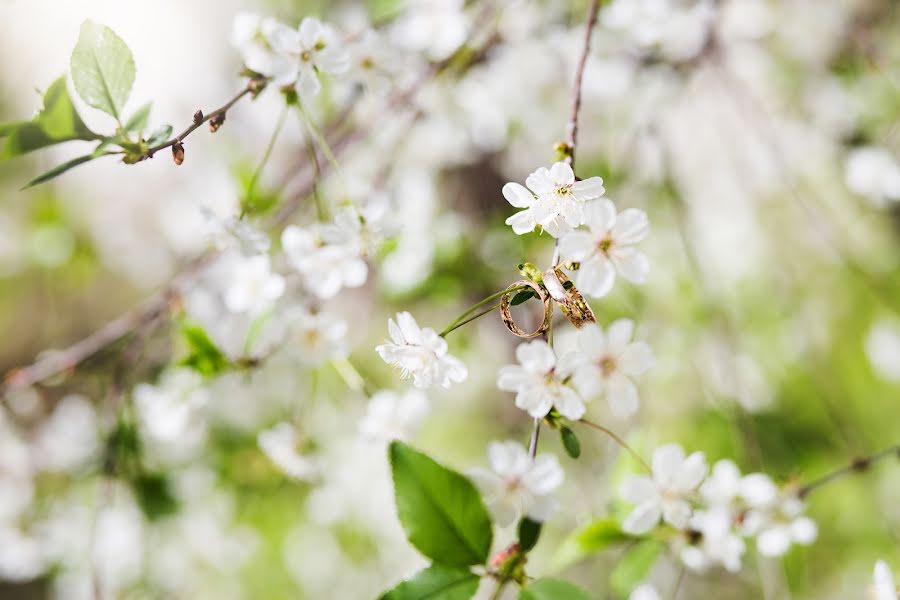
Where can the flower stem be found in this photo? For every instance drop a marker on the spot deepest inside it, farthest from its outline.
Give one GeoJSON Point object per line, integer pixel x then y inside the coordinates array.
{"type": "Point", "coordinates": [857, 465]}
{"type": "Point", "coordinates": [535, 434]}
{"type": "Point", "coordinates": [620, 442]}
{"type": "Point", "coordinates": [459, 324]}
{"type": "Point", "coordinates": [459, 320]}
{"type": "Point", "coordinates": [268, 153]}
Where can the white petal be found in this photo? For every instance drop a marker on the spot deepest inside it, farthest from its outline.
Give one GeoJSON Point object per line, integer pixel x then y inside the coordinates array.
{"type": "Point", "coordinates": [355, 273]}
{"type": "Point", "coordinates": [677, 513]}
{"type": "Point", "coordinates": [569, 404]}
{"type": "Point", "coordinates": [517, 195]}
{"type": "Point", "coordinates": [631, 226]}
{"type": "Point", "coordinates": [308, 84]}
{"type": "Point", "coordinates": [638, 488]}
{"type": "Point", "coordinates": [522, 222]}
{"type": "Point", "coordinates": [774, 541]}
{"type": "Point", "coordinates": [619, 334]}
{"type": "Point", "coordinates": [631, 264]}
{"type": "Point", "coordinates": [536, 357]}
{"type": "Point", "coordinates": [310, 32]}
{"type": "Point", "coordinates": [410, 330]}
{"type": "Point", "coordinates": [600, 216]}
{"type": "Point", "coordinates": [622, 396]}
{"type": "Point", "coordinates": [588, 189]}
{"type": "Point", "coordinates": [804, 531]}
{"type": "Point", "coordinates": [512, 377]}
{"type": "Point", "coordinates": [758, 490]}
{"type": "Point", "coordinates": [284, 40]}
{"type": "Point", "coordinates": [596, 277]}
{"type": "Point", "coordinates": [885, 588]}
{"type": "Point", "coordinates": [592, 341]}
{"type": "Point", "coordinates": [333, 60]}
{"type": "Point", "coordinates": [636, 358]}
{"type": "Point", "coordinates": [508, 458]}
{"type": "Point", "coordinates": [545, 475]}
{"type": "Point", "coordinates": [577, 246]}
{"type": "Point", "coordinates": [562, 173]}
{"type": "Point", "coordinates": [666, 462]}
{"type": "Point", "coordinates": [692, 472]}
{"type": "Point", "coordinates": [540, 182]}
{"type": "Point", "coordinates": [535, 401]}
{"type": "Point", "coordinates": [642, 519]}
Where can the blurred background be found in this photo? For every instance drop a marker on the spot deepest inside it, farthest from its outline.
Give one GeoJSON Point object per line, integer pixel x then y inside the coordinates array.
{"type": "Point", "coordinates": [760, 136]}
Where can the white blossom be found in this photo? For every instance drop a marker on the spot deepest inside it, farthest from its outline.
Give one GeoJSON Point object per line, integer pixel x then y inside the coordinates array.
{"type": "Point", "coordinates": [420, 353]}
{"type": "Point", "coordinates": [518, 485]}
{"type": "Point", "coordinates": [316, 336]}
{"type": "Point", "coordinates": [665, 493]}
{"type": "Point", "coordinates": [719, 544]}
{"type": "Point", "coordinates": [252, 286]}
{"type": "Point", "coordinates": [69, 438]}
{"type": "Point", "coordinates": [883, 587]}
{"type": "Point", "coordinates": [171, 414]}
{"type": "Point", "coordinates": [552, 199]}
{"type": "Point", "coordinates": [324, 267]}
{"type": "Point", "coordinates": [606, 363]}
{"type": "Point", "coordinates": [437, 27]}
{"type": "Point", "coordinates": [249, 35]}
{"type": "Point", "coordinates": [779, 525]}
{"type": "Point", "coordinates": [645, 591]}
{"type": "Point", "coordinates": [539, 384]}
{"type": "Point", "coordinates": [393, 416]}
{"type": "Point", "coordinates": [280, 444]}
{"type": "Point", "coordinates": [873, 173]}
{"type": "Point", "coordinates": [304, 52]}
{"type": "Point", "coordinates": [607, 249]}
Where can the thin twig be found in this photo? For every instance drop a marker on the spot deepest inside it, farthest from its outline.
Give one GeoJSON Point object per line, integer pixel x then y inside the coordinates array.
{"type": "Point", "coordinates": [535, 434]}
{"type": "Point", "coordinates": [619, 441]}
{"type": "Point", "coordinates": [857, 465]}
{"type": "Point", "coordinates": [459, 324]}
{"type": "Point", "coordinates": [572, 128]}
{"type": "Point", "coordinates": [253, 86]}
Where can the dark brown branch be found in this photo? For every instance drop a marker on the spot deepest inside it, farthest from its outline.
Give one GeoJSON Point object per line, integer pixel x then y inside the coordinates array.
{"type": "Point", "coordinates": [857, 465]}
{"type": "Point", "coordinates": [572, 128]}
{"type": "Point", "coordinates": [254, 86]}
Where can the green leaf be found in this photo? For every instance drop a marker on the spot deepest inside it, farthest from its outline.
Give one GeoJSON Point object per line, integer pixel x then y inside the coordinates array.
{"type": "Point", "coordinates": [204, 356]}
{"type": "Point", "coordinates": [634, 566]}
{"type": "Point", "coordinates": [102, 68]}
{"type": "Point", "coordinates": [570, 442]}
{"type": "Point", "coordinates": [57, 122]}
{"type": "Point", "coordinates": [60, 169]}
{"type": "Point", "coordinates": [138, 121]}
{"type": "Point", "coordinates": [437, 582]}
{"type": "Point", "coordinates": [160, 135]}
{"type": "Point", "coordinates": [553, 589]}
{"type": "Point", "coordinates": [521, 297]}
{"type": "Point", "coordinates": [593, 537]}
{"type": "Point", "coordinates": [440, 510]}
{"type": "Point", "coordinates": [529, 532]}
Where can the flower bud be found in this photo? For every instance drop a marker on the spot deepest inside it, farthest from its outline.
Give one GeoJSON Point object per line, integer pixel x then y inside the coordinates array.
{"type": "Point", "coordinates": [198, 117]}
{"type": "Point", "coordinates": [216, 122]}
{"type": "Point", "coordinates": [178, 152]}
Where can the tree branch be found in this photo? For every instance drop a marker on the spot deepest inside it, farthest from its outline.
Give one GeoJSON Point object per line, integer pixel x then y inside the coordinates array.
{"type": "Point", "coordinates": [857, 465]}
{"type": "Point", "coordinates": [572, 128]}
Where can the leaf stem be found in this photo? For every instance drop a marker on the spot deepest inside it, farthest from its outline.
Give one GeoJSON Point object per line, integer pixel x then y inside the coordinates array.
{"type": "Point", "coordinates": [459, 324]}
{"type": "Point", "coordinates": [268, 153]}
{"type": "Point", "coordinates": [620, 442]}
{"type": "Point", "coordinates": [456, 322]}
{"type": "Point", "coordinates": [535, 434]}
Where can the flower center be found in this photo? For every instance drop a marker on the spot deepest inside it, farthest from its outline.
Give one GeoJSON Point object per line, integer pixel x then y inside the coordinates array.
{"type": "Point", "coordinates": [306, 56]}
{"type": "Point", "coordinates": [607, 365]}
{"type": "Point", "coordinates": [605, 245]}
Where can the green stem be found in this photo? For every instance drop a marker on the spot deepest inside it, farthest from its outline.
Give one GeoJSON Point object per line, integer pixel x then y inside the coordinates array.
{"type": "Point", "coordinates": [474, 307]}
{"type": "Point", "coordinates": [620, 442]}
{"type": "Point", "coordinates": [321, 209]}
{"type": "Point", "coordinates": [459, 324]}
{"type": "Point", "coordinates": [268, 153]}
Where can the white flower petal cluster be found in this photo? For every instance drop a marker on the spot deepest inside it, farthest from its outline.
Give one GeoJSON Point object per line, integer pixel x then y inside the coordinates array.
{"type": "Point", "coordinates": [171, 414]}
{"type": "Point", "coordinates": [280, 444]}
{"type": "Point", "coordinates": [553, 200]}
{"type": "Point", "coordinates": [316, 336]}
{"type": "Point", "coordinates": [539, 384]}
{"type": "Point", "coordinates": [606, 363]}
{"type": "Point", "coordinates": [393, 416]}
{"type": "Point", "coordinates": [717, 513]}
{"type": "Point", "coordinates": [326, 262]}
{"type": "Point", "coordinates": [883, 587]}
{"type": "Point", "coordinates": [290, 57]}
{"type": "Point", "coordinates": [516, 485]}
{"type": "Point", "coordinates": [873, 173]}
{"type": "Point", "coordinates": [420, 353]}
{"type": "Point", "coordinates": [607, 248]}
{"type": "Point", "coordinates": [666, 494]}
{"type": "Point", "coordinates": [252, 288]}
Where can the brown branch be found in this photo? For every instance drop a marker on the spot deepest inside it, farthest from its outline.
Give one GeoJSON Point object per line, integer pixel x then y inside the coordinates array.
{"type": "Point", "coordinates": [254, 86]}
{"type": "Point", "coordinates": [572, 128]}
{"type": "Point", "coordinates": [857, 465]}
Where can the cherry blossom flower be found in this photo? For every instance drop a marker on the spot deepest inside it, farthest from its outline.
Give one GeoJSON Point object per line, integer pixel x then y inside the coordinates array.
{"type": "Point", "coordinates": [873, 173]}
{"type": "Point", "coordinates": [552, 199]}
{"type": "Point", "coordinates": [883, 587]}
{"type": "Point", "coordinates": [280, 444]}
{"type": "Point", "coordinates": [318, 336]}
{"type": "Point", "coordinates": [249, 35]}
{"type": "Point", "coordinates": [324, 267]}
{"type": "Point", "coordinates": [664, 495]}
{"type": "Point", "coordinates": [518, 485]}
{"type": "Point", "coordinates": [538, 384]}
{"type": "Point", "coordinates": [607, 249]}
{"type": "Point", "coordinates": [420, 353]}
{"type": "Point", "coordinates": [252, 288]}
{"type": "Point", "coordinates": [645, 591]}
{"type": "Point", "coordinates": [719, 544]}
{"type": "Point", "coordinates": [393, 416]}
{"type": "Point", "coordinates": [606, 363]}
{"type": "Point", "coordinates": [779, 525]}
{"type": "Point", "coordinates": [304, 52]}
